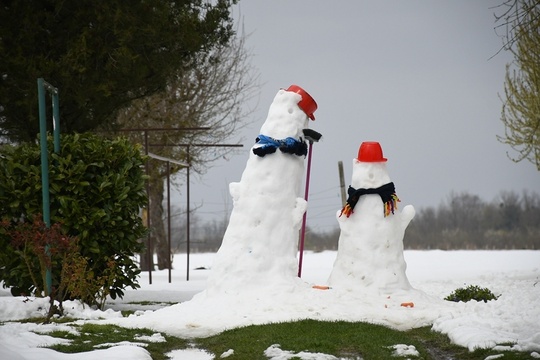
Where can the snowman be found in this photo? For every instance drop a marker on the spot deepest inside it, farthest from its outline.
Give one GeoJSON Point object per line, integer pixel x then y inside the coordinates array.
{"type": "Point", "coordinates": [370, 249]}
{"type": "Point", "coordinates": [259, 246]}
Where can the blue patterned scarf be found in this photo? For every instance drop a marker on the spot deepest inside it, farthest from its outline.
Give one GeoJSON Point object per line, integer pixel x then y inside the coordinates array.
{"type": "Point", "coordinates": [270, 145]}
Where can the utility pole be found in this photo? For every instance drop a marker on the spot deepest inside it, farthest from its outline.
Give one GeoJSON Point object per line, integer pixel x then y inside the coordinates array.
{"type": "Point", "coordinates": [342, 183]}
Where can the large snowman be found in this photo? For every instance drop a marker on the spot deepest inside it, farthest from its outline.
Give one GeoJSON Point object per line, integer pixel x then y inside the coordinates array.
{"type": "Point", "coordinates": [260, 244]}
{"type": "Point", "coordinates": [370, 249]}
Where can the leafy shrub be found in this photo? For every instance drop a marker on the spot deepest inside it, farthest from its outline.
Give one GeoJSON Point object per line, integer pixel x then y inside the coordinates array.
{"type": "Point", "coordinates": [471, 292]}
{"type": "Point", "coordinates": [37, 247]}
{"type": "Point", "coordinates": [96, 192]}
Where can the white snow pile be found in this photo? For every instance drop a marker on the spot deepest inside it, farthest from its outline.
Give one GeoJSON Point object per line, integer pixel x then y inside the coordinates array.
{"type": "Point", "coordinates": [512, 320]}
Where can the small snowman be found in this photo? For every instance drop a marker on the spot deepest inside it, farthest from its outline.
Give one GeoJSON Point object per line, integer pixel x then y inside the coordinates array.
{"type": "Point", "coordinates": [260, 244]}
{"type": "Point", "coordinates": [370, 249]}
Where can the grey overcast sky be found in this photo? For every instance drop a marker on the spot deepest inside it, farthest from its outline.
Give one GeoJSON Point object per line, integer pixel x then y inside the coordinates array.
{"type": "Point", "coordinates": [416, 76]}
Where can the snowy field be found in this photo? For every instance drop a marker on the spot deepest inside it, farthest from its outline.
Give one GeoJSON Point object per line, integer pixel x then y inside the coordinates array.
{"type": "Point", "coordinates": [513, 319]}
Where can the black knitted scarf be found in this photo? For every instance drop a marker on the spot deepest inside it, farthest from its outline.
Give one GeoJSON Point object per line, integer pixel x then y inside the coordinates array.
{"type": "Point", "coordinates": [387, 192]}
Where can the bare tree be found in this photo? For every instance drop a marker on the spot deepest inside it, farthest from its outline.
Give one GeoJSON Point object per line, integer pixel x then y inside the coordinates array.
{"type": "Point", "coordinates": [510, 210]}
{"type": "Point", "coordinates": [212, 95]}
{"type": "Point", "coordinates": [513, 17]}
{"type": "Point", "coordinates": [521, 105]}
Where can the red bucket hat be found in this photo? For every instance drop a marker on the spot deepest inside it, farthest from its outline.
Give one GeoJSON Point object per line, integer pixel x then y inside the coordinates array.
{"type": "Point", "coordinates": [307, 103]}
{"type": "Point", "coordinates": [371, 151]}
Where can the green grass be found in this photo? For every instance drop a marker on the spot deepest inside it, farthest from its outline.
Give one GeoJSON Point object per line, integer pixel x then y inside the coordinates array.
{"type": "Point", "coordinates": [342, 339]}
{"type": "Point", "coordinates": [91, 336]}
{"type": "Point", "coordinates": [345, 340]}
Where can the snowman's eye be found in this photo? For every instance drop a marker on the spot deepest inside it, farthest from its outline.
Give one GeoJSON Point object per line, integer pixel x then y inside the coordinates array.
{"type": "Point", "coordinates": [290, 110]}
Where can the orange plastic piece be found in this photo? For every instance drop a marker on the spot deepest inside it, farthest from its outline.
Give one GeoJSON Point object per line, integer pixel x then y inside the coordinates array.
{"type": "Point", "coordinates": [408, 304]}
{"type": "Point", "coordinates": [321, 287]}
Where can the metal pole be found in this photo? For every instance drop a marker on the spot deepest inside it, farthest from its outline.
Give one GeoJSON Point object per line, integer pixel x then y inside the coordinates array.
{"type": "Point", "coordinates": [42, 87]}
{"type": "Point", "coordinates": [187, 216]}
{"type": "Point", "coordinates": [56, 121]}
{"type": "Point", "coordinates": [342, 183]}
{"type": "Point", "coordinates": [149, 250]}
{"type": "Point", "coordinates": [44, 153]}
{"type": "Point", "coordinates": [56, 141]}
{"type": "Point", "coordinates": [169, 217]}
{"type": "Point", "coordinates": [44, 172]}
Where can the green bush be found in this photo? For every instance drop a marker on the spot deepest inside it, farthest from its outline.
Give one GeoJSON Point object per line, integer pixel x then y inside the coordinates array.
{"type": "Point", "coordinates": [471, 292]}
{"type": "Point", "coordinates": [96, 192]}
{"type": "Point", "coordinates": [36, 247]}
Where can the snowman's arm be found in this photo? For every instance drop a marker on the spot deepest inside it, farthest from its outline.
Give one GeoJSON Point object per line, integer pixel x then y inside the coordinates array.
{"type": "Point", "coordinates": [298, 211]}
{"type": "Point", "coordinates": [407, 214]}
{"type": "Point", "coordinates": [234, 190]}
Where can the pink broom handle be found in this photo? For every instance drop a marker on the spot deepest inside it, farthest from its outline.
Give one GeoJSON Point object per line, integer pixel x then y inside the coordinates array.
{"type": "Point", "coordinates": [311, 136]}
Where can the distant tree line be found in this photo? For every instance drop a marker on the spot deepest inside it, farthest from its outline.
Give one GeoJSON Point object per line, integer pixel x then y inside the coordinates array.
{"type": "Point", "coordinates": [463, 221]}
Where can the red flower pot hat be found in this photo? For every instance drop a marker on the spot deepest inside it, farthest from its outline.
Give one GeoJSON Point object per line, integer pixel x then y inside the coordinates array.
{"type": "Point", "coordinates": [307, 103]}
{"type": "Point", "coordinates": [371, 151]}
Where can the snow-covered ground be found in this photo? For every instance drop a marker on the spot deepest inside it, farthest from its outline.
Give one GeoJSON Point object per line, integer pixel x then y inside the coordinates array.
{"type": "Point", "coordinates": [512, 319]}
{"type": "Point", "coordinates": [254, 279]}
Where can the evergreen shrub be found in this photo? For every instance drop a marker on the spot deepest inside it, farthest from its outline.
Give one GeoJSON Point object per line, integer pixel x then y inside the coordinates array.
{"type": "Point", "coordinates": [97, 188]}
{"type": "Point", "coordinates": [471, 292]}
